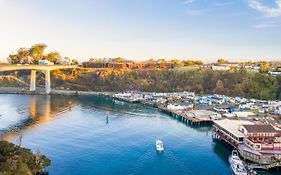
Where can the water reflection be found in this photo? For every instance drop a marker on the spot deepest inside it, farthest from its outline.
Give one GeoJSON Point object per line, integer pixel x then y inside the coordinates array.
{"type": "Point", "coordinates": [43, 109]}
{"type": "Point", "coordinates": [104, 136]}
{"type": "Point", "coordinates": [40, 110]}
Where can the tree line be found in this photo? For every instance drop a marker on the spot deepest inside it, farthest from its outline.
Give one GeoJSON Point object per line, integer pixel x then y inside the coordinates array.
{"type": "Point", "coordinates": [36, 53]}
{"type": "Point", "coordinates": [236, 83]}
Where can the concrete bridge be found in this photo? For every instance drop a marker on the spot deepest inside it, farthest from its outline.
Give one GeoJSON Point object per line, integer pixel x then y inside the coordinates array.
{"type": "Point", "coordinates": [33, 68]}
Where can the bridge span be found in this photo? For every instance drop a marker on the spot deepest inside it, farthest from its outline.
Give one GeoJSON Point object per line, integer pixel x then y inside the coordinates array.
{"type": "Point", "coordinates": [46, 69]}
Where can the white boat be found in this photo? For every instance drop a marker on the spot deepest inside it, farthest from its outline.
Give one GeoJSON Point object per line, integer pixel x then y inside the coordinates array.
{"type": "Point", "coordinates": [159, 145]}
{"type": "Point", "coordinates": [236, 164]}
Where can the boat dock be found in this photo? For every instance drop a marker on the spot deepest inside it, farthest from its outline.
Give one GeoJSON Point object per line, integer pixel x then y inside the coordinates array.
{"type": "Point", "coordinates": [178, 114]}
{"type": "Point", "coordinates": [186, 119]}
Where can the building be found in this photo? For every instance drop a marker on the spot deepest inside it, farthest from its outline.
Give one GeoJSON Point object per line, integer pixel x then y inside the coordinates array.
{"type": "Point", "coordinates": [242, 114]}
{"type": "Point", "coordinates": [180, 106]}
{"type": "Point", "coordinates": [117, 65]}
{"type": "Point", "coordinates": [260, 144]}
{"type": "Point", "coordinates": [220, 67]}
{"type": "Point", "coordinates": [203, 114]}
{"type": "Point", "coordinates": [228, 130]}
{"type": "Point", "coordinates": [96, 65]}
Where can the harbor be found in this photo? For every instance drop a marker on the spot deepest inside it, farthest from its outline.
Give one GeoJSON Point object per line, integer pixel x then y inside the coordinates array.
{"type": "Point", "coordinates": [250, 126]}
{"type": "Point", "coordinates": [90, 138]}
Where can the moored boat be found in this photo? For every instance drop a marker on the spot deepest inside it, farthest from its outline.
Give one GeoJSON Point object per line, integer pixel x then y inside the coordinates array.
{"type": "Point", "coordinates": [236, 164]}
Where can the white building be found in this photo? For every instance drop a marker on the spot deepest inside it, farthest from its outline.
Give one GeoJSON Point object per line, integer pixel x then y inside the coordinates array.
{"type": "Point", "coordinates": [220, 67]}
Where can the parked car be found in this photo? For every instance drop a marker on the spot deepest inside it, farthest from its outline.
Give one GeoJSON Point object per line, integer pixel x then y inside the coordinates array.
{"type": "Point", "coordinates": [45, 62]}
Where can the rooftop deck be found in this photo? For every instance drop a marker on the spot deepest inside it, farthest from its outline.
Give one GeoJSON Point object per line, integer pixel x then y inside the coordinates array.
{"type": "Point", "coordinates": [232, 126]}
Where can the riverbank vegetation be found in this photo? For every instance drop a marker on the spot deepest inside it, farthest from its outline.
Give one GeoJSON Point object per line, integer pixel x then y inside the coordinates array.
{"type": "Point", "coordinates": [231, 83]}
{"type": "Point", "coordinates": [202, 81]}
{"type": "Point", "coordinates": [15, 160]}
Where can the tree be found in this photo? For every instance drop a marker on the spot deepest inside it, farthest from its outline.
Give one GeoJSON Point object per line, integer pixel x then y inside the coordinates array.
{"type": "Point", "coordinates": [219, 89]}
{"type": "Point", "coordinates": [23, 56]}
{"type": "Point", "coordinates": [37, 51]}
{"type": "Point", "coordinates": [264, 67]}
{"type": "Point", "coordinates": [175, 61]}
{"type": "Point", "coordinates": [17, 161]}
{"type": "Point", "coordinates": [222, 61]}
{"type": "Point", "coordinates": [198, 62]}
{"type": "Point", "coordinates": [54, 57]}
{"type": "Point", "coordinates": [119, 60]}
{"type": "Point", "coordinates": [74, 62]}
{"type": "Point", "coordinates": [92, 60]}
{"type": "Point", "coordinates": [189, 62]}
{"type": "Point", "coordinates": [162, 60]}
{"type": "Point", "coordinates": [13, 59]}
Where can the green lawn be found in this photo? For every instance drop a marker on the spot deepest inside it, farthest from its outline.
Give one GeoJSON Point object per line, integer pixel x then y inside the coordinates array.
{"type": "Point", "coordinates": [187, 68]}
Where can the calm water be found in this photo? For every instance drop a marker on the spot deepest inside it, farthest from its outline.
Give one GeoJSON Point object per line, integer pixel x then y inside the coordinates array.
{"type": "Point", "coordinates": [102, 136]}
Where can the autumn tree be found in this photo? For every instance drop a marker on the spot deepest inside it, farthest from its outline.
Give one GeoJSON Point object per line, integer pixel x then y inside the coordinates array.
{"type": "Point", "coordinates": [264, 67]}
{"type": "Point", "coordinates": [54, 57]}
{"type": "Point", "coordinates": [37, 52]}
{"type": "Point", "coordinates": [175, 61]}
{"type": "Point", "coordinates": [222, 61]}
{"type": "Point", "coordinates": [13, 59]}
{"type": "Point", "coordinates": [119, 60]}
{"type": "Point", "coordinates": [23, 56]}
{"type": "Point", "coordinates": [188, 62]}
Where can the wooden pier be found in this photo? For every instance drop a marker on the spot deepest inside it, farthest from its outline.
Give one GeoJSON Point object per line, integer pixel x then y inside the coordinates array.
{"type": "Point", "coordinates": [185, 119]}
{"type": "Point", "coordinates": [176, 114]}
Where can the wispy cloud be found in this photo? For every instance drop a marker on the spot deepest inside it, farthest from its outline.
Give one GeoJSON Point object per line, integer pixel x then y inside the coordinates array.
{"type": "Point", "coordinates": [213, 6]}
{"type": "Point", "coordinates": [266, 10]}
{"type": "Point", "coordinates": [188, 2]}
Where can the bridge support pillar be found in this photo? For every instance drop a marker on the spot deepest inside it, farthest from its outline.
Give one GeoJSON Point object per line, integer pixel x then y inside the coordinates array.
{"type": "Point", "coordinates": [33, 80]}
{"type": "Point", "coordinates": [47, 82]}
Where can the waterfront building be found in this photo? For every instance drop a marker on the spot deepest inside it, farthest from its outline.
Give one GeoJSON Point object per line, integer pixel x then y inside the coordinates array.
{"type": "Point", "coordinates": [180, 106]}
{"type": "Point", "coordinates": [228, 130]}
{"type": "Point", "coordinates": [244, 114]}
{"type": "Point", "coordinates": [260, 144]}
{"type": "Point", "coordinates": [203, 114]}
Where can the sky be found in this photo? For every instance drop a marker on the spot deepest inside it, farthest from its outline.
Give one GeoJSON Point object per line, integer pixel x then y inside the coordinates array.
{"type": "Point", "coordinates": [143, 29]}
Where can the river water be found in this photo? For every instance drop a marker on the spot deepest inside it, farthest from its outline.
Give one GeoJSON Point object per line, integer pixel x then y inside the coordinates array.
{"type": "Point", "coordinates": [98, 135]}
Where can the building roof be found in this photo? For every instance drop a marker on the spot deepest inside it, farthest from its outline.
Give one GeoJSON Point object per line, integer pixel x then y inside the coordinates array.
{"type": "Point", "coordinates": [260, 128]}
{"type": "Point", "coordinates": [232, 126]}
{"type": "Point", "coordinates": [199, 113]}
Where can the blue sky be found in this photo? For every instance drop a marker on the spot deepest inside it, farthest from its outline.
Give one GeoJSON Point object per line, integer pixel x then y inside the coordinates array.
{"type": "Point", "coordinates": [142, 29]}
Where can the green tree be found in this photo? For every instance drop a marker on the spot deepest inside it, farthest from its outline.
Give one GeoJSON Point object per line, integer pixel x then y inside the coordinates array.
{"type": "Point", "coordinates": [219, 89]}
{"type": "Point", "coordinates": [119, 60]}
{"type": "Point", "coordinates": [175, 61]}
{"type": "Point", "coordinates": [54, 57]}
{"type": "Point", "coordinates": [13, 59]}
{"type": "Point", "coordinates": [74, 62]}
{"type": "Point", "coordinates": [264, 67]}
{"type": "Point", "coordinates": [37, 52]}
{"type": "Point", "coordinates": [222, 61]}
{"type": "Point", "coordinates": [198, 62]}
{"type": "Point", "coordinates": [188, 62]}
{"type": "Point", "coordinates": [23, 56]}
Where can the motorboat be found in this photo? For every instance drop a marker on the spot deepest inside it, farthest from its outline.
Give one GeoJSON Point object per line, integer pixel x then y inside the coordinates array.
{"type": "Point", "coordinates": [159, 145]}
{"type": "Point", "coordinates": [236, 164]}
